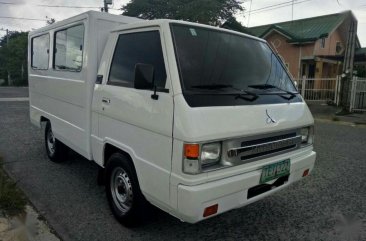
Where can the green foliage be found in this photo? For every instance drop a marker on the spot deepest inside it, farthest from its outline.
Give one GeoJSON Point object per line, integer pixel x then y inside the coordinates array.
{"type": "Point", "coordinates": [233, 24]}
{"type": "Point", "coordinates": [212, 12]}
{"type": "Point", "coordinates": [361, 70]}
{"type": "Point", "coordinates": [12, 200]}
{"type": "Point", "coordinates": [13, 58]}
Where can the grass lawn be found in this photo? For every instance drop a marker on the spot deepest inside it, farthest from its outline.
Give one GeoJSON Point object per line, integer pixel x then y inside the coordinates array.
{"type": "Point", "coordinates": [12, 199]}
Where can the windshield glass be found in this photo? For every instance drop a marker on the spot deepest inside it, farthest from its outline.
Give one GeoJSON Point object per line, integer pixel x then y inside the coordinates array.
{"type": "Point", "coordinates": [210, 58]}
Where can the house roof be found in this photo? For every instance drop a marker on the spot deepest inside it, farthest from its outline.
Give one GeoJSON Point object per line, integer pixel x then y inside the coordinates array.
{"type": "Point", "coordinates": [303, 30]}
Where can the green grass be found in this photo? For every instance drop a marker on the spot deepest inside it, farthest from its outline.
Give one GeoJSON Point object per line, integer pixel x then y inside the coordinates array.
{"type": "Point", "coordinates": [12, 199]}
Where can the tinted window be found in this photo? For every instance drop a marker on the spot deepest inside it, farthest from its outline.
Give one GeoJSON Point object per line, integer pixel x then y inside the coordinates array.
{"type": "Point", "coordinates": [133, 48]}
{"type": "Point", "coordinates": [219, 68]}
{"type": "Point", "coordinates": [211, 57]}
{"type": "Point", "coordinates": [69, 48]}
{"type": "Point", "coordinates": [40, 52]}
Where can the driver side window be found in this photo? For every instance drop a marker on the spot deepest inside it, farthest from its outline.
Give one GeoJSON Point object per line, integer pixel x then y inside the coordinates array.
{"type": "Point", "coordinates": [134, 48]}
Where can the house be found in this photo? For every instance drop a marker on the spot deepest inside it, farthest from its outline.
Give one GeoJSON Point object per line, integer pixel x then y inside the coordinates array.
{"type": "Point", "coordinates": [318, 47]}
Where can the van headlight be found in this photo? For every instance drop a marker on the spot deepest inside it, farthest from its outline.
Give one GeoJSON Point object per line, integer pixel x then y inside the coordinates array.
{"type": "Point", "coordinates": [197, 157]}
{"type": "Point", "coordinates": [210, 153]}
{"type": "Point", "coordinates": [307, 135]}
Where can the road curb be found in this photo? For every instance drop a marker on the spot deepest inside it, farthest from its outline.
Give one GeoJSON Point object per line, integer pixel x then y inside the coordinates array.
{"type": "Point", "coordinates": [14, 99]}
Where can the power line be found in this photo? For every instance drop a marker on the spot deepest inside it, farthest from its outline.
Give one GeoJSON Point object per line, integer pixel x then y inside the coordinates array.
{"type": "Point", "coordinates": [50, 6]}
{"type": "Point", "coordinates": [32, 19]}
{"type": "Point", "coordinates": [55, 6]}
{"type": "Point", "coordinates": [276, 6]}
{"type": "Point", "coordinates": [270, 6]}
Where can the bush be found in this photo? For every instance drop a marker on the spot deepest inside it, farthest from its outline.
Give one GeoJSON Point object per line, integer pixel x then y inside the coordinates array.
{"type": "Point", "coordinates": [12, 199]}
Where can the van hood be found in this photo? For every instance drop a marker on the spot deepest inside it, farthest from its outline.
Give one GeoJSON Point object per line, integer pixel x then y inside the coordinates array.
{"type": "Point", "coordinates": [201, 124]}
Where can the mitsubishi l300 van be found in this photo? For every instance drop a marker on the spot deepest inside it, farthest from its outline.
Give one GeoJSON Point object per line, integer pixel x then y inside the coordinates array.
{"type": "Point", "coordinates": [194, 119]}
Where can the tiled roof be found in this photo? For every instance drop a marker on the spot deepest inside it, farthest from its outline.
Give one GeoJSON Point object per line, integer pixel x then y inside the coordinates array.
{"type": "Point", "coordinates": [302, 30]}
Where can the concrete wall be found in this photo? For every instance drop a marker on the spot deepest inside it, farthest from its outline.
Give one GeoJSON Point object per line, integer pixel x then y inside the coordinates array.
{"type": "Point", "coordinates": [289, 52]}
{"type": "Point", "coordinates": [330, 44]}
{"type": "Point", "coordinates": [293, 53]}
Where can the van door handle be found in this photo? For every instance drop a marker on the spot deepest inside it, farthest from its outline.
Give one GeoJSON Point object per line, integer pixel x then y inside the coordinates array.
{"type": "Point", "coordinates": [106, 100]}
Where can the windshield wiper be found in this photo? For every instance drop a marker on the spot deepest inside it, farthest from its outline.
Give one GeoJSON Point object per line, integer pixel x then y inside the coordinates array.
{"type": "Point", "coordinates": [241, 94]}
{"type": "Point", "coordinates": [268, 86]}
{"type": "Point", "coordinates": [211, 87]}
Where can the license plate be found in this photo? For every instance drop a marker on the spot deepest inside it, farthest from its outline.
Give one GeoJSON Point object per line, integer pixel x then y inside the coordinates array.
{"type": "Point", "coordinates": [275, 170]}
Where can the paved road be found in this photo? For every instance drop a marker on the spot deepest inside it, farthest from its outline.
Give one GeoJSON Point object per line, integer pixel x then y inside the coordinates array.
{"type": "Point", "coordinates": [312, 209]}
{"type": "Point", "coordinates": [13, 92]}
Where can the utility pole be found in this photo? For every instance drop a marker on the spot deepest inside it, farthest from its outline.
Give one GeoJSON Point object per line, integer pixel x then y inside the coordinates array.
{"type": "Point", "coordinates": [348, 67]}
{"type": "Point", "coordinates": [105, 6]}
{"type": "Point", "coordinates": [106, 3]}
{"type": "Point", "coordinates": [7, 45]}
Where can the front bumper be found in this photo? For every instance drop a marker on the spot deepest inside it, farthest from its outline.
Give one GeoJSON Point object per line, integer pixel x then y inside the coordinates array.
{"type": "Point", "coordinates": [230, 193]}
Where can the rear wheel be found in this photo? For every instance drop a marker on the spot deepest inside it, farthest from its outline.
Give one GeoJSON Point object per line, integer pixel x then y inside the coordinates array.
{"type": "Point", "coordinates": [123, 191]}
{"type": "Point", "coordinates": [54, 148]}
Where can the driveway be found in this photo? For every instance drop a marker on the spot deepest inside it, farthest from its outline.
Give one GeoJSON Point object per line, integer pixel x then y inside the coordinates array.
{"type": "Point", "coordinates": [328, 205]}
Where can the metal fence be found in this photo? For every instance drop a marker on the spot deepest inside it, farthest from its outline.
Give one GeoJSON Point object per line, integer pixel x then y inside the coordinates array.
{"type": "Point", "coordinates": [358, 94]}
{"type": "Point", "coordinates": [319, 89]}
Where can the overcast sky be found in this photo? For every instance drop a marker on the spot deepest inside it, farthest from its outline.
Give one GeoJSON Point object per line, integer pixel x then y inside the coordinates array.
{"type": "Point", "coordinates": [281, 12]}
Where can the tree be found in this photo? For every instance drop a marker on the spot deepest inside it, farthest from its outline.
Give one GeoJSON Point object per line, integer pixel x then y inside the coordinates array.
{"type": "Point", "coordinates": [13, 57]}
{"type": "Point", "coordinates": [212, 12]}
{"type": "Point", "coordinates": [233, 24]}
{"type": "Point", "coordinates": [50, 21]}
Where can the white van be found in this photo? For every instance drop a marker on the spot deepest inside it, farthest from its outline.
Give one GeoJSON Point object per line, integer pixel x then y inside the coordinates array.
{"type": "Point", "coordinates": [194, 119]}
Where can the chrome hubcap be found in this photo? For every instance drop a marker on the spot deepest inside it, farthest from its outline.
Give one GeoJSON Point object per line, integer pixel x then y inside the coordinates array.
{"type": "Point", "coordinates": [51, 142]}
{"type": "Point", "coordinates": [121, 189]}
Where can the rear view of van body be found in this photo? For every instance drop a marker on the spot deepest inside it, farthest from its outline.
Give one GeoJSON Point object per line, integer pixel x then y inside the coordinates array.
{"type": "Point", "coordinates": [194, 119]}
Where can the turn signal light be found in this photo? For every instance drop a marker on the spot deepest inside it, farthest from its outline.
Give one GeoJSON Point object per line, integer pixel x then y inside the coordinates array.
{"type": "Point", "coordinates": [191, 150]}
{"type": "Point", "coordinates": [211, 210]}
{"type": "Point", "coordinates": [306, 172]}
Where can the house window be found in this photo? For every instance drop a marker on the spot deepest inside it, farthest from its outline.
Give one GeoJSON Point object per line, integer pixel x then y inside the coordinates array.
{"type": "Point", "coordinates": [40, 52]}
{"type": "Point", "coordinates": [339, 48]}
{"type": "Point", "coordinates": [322, 43]}
{"type": "Point", "coordinates": [69, 49]}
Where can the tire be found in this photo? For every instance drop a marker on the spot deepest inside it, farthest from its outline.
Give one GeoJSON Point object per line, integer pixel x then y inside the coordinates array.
{"type": "Point", "coordinates": [123, 191]}
{"type": "Point", "coordinates": [54, 148]}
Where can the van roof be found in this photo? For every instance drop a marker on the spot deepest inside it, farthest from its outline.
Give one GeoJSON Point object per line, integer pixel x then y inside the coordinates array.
{"type": "Point", "coordinates": [159, 22]}
{"type": "Point", "coordinates": [132, 23]}
{"type": "Point", "coordinates": [88, 14]}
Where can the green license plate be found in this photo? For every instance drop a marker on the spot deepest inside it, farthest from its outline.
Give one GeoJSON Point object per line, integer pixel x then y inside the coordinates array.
{"type": "Point", "coordinates": [275, 170]}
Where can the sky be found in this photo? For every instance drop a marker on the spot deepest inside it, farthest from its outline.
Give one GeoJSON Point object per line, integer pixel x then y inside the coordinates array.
{"type": "Point", "coordinates": [280, 11]}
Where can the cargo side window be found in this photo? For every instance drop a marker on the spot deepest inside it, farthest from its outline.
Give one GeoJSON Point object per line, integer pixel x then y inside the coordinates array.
{"type": "Point", "coordinates": [68, 50]}
{"type": "Point", "coordinates": [133, 48]}
{"type": "Point", "coordinates": [40, 52]}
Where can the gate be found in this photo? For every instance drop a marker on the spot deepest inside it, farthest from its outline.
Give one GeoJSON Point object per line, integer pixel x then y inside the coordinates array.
{"type": "Point", "coordinates": [358, 94]}
{"type": "Point", "coordinates": [319, 89]}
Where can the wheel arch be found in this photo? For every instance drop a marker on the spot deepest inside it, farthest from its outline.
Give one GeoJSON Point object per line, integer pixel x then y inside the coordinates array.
{"type": "Point", "coordinates": [110, 149]}
{"type": "Point", "coordinates": [43, 120]}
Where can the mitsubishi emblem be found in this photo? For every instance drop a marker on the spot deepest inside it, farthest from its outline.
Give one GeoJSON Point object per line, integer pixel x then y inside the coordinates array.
{"type": "Point", "coordinates": [269, 119]}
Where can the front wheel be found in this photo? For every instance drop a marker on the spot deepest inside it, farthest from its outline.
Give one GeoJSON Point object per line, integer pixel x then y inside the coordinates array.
{"type": "Point", "coordinates": [54, 148]}
{"type": "Point", "coordinates": [123, 192]}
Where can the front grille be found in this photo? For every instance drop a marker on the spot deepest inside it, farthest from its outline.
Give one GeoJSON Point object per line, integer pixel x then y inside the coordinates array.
{"type": "Point", "coordinates": [251, 145]}
{"type": "Point", "coordinates": [268, 139]}
{"type": "Point", "coordinates": [265, 146]}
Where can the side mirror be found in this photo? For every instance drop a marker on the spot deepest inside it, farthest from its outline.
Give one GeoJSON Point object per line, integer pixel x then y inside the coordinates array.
{"type": "Point", "coordinates": [296, 84]}
{"type": "Point", "coordinates": [144, 76]}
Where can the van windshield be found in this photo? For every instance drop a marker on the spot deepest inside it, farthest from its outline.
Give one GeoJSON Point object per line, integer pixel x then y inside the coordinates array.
{"type": "Point", "coordinates": [217, 62]}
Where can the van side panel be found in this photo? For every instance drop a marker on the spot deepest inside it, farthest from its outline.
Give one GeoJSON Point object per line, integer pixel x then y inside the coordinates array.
{"type": "Point", "coordinates": [62, 96]}
{"type": "Point", "coordinates": [65, 97]}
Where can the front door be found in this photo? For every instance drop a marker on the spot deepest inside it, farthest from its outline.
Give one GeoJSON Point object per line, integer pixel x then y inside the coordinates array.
{"type": "Point", "coordinates": [130, 118]}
